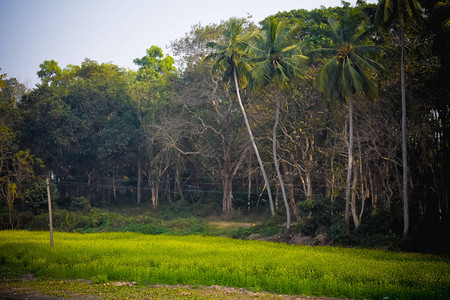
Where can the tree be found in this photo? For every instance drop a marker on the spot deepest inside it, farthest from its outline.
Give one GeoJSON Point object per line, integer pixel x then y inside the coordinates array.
{"type": "Point", "coordinates": [229, 58]}
{"type": "Point", "coordinates": [151, 91]}
{"type": "Point", "coordinates": [16, 169]}
{"type": "Point", "coordinates": [401, 11]}
{"type": "Point", "coordinates": [82, 124]}
{"type": "Point", "coordinates": [216, 129]}
{"type": "Point", "coordinates": [192, 48]}
{"type": "Point", "coordinates": [278, 60]}
{"type": "Point", "coordinates": [104, 115]}
{"type": "Point", "coordinates": [348, 72]}
{"type": "Point", "coordinates": [2, 84]}
{"type": "Point", "coordinates": [49, 72]}
{"type": "Point", "coordinates": [154, 64]}
{"type": "Point", "coordinates": [10, 95]}
{"type": "Point", "coordinates": [303, 126]}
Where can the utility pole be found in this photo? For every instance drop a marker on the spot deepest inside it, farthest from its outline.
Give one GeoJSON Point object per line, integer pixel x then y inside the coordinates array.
{"type": "Point", "coordinates": [50, 212]}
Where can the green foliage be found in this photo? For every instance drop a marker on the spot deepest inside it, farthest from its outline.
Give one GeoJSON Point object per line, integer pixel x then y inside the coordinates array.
{"type": "Point", "coordinates": [401, 11]}
{"type": "Point", "coordinates": [49, 72]}
{"type": "Point", "coordinates": [17, 170]}
{"type": "Point", "coordinates": [275, 56]}
{"type": "Point", "coordinates": [2, 82]}
{"type": "Point", "coordinates": [318, 212]}
{"type": "Point", "coordinates": [199, 260]}
{"type": "Point", "coordinates": [36, 198]}
{"type": "Point", "coordinates": [79, 203]}
{"type": "Point", "coordinates": [154, 64]}
{"type": "Point", "coordinates": [230, 55]}
{"type": "Point", "coordinates": [339, 233]}
{"type": "Point", "coordinates": [11, 93]}
{"type": "Point", "coordinates": [353, 59]}
{"type": "Point", "coordinates": [100, 220]}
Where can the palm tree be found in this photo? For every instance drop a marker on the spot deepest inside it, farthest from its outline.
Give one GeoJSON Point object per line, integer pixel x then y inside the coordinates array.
{"type": "Point", "coordinates": [402, 11]}
{"type": "Point", "coordinates": [229, 58]}
{"type": "Point", "coordinates": [347, 72]}
{"type": "Point", "coordinates": [277, 60]}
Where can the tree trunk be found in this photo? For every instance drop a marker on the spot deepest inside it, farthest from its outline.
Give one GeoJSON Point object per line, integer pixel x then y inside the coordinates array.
{"type": "Point", "coordinates": [249, 193]}
{"type": "Point", "coordinates": [404, 144]}
{"type": "Point", "coordinates": [252, 140]}
{"type": "Point", "coordinates": [178, 183]}
{"type": "Point", "coordinates": [227, 199]}
{"type": "Point", "coordinates": [275, 161]}
{"type": "Point", "coordinates": [139, 181]}
{"type": "Point", "coordinates": [10, 209]}
{"type": "Point", "coordinates": [155, 198]}
{"type": "Point", "coordinates": [349, 163]}
{"type": "Point", "coordinates": [91, 194]}
{"type": "Point", "coordinates": [333, 177]}
{"type": "Point", "coordinates": [114, 187]}
{"type": "Point", "coordinates": [364, 189]}
{"type": "Point", "coordinates": [167, 188]}
{"type": "Point", "coordinates": [309, 193]}
{"type": "Point", "coordinates": [373, 196]}
{"type": "Point", "coordinates": [356, 221]}
{"type": "Point", "coordinates": [290, 183]}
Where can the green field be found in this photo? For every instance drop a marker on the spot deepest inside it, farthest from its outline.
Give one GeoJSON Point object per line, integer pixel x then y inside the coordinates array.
{"type": "Point", "coordinates": [200, 260]}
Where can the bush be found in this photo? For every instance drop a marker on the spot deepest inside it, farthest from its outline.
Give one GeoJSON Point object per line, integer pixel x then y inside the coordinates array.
{"type": "Point", "coordinates": [79, 203]}
{"type": "Point", "coordinates": [339, 234]}
{"type": "Point", "coordinates": [318, 215]}
{"type": "Point", "coordinates": [39, 222]}
{"type": "Point", "coordinates": [36, 198]}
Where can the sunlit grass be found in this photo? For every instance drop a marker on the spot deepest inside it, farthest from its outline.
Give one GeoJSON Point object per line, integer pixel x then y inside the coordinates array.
{"type": "Point", "coordinates": [255, 265]}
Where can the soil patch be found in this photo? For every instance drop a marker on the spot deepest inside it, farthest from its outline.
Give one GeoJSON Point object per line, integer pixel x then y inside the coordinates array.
{"type": "Point", "coordinates": [30, 287]}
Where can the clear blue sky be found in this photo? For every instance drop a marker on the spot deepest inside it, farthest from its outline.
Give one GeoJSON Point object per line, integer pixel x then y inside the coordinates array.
{"type": "Point", "coordinates": [116, 31]}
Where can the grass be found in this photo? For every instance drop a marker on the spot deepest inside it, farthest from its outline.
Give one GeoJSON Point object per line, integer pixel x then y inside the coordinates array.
{"type": "Point", "coordinates": [206, 260]}
{"type": "Point", "coordinates": [201, 260]}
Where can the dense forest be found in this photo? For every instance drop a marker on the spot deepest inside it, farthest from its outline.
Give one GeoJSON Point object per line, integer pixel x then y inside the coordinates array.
{"type": "Point", "coordinates": [334, 120]}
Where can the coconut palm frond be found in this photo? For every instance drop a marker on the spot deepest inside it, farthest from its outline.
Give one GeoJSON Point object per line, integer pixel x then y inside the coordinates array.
{"type": "Point", "coordinates": [346, 73]}
{"type": "Point", "coordinates": [336, 34]}
{"type": "Point", "coordinates": [372, 65]}
{"type": "Point", "coordinates": [326, 80]}
{"type": "Point", "coordinates": [371, 51]}
{"type": "Point", "coordinates": [324, 52]}
{"type": "Point", "coordinates": [232, 54]}
{"type": "Point", "coordinates": [400, 10]}
{"type": "Point", "coordinates": [277, 58]}
{"type": "Point", "coordinates": [260, 74]}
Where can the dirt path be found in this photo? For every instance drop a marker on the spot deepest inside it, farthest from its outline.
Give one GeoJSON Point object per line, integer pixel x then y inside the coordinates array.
{"type": "Point", "coordinates": [229, 224]}
{"type": "Point", "coordinates": [86, 290]}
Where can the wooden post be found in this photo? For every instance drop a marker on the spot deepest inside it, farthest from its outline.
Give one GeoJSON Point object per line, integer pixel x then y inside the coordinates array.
{"type": "Point", "coordinates": [50, 212]}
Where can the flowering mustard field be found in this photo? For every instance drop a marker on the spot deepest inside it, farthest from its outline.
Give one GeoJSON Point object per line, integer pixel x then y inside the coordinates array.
{"type": "Point", "coordinates": [255, 265]}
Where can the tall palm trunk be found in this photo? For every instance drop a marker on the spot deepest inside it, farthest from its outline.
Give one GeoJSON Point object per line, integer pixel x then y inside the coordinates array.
{"type": "Point", "coordinates": [350, 162]}
{"type": "Point", "coordinates": [356, 220]}
{"type": "Point", "coordinates": [404, 144]}
{"type": "Point", "coordinates": [227, 180]}
{"type": "Point", "coordinates": [252, 140]}
{"type": "Point", "coordinates": [275, 161]}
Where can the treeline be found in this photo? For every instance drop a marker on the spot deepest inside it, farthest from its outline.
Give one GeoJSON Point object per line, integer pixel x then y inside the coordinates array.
{"type": "Point", "coordinates": [300, 116]}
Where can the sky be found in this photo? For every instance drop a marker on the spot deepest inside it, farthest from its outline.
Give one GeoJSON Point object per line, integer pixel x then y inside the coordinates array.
{"type": "Point", "coordinates": [117, 31]}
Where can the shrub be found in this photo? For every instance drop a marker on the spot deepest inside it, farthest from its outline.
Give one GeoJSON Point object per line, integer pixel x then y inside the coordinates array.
{"type": "Point", "coordinates": [79, 203]}
{"type": "Point", "coordinates": [36, 198]}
